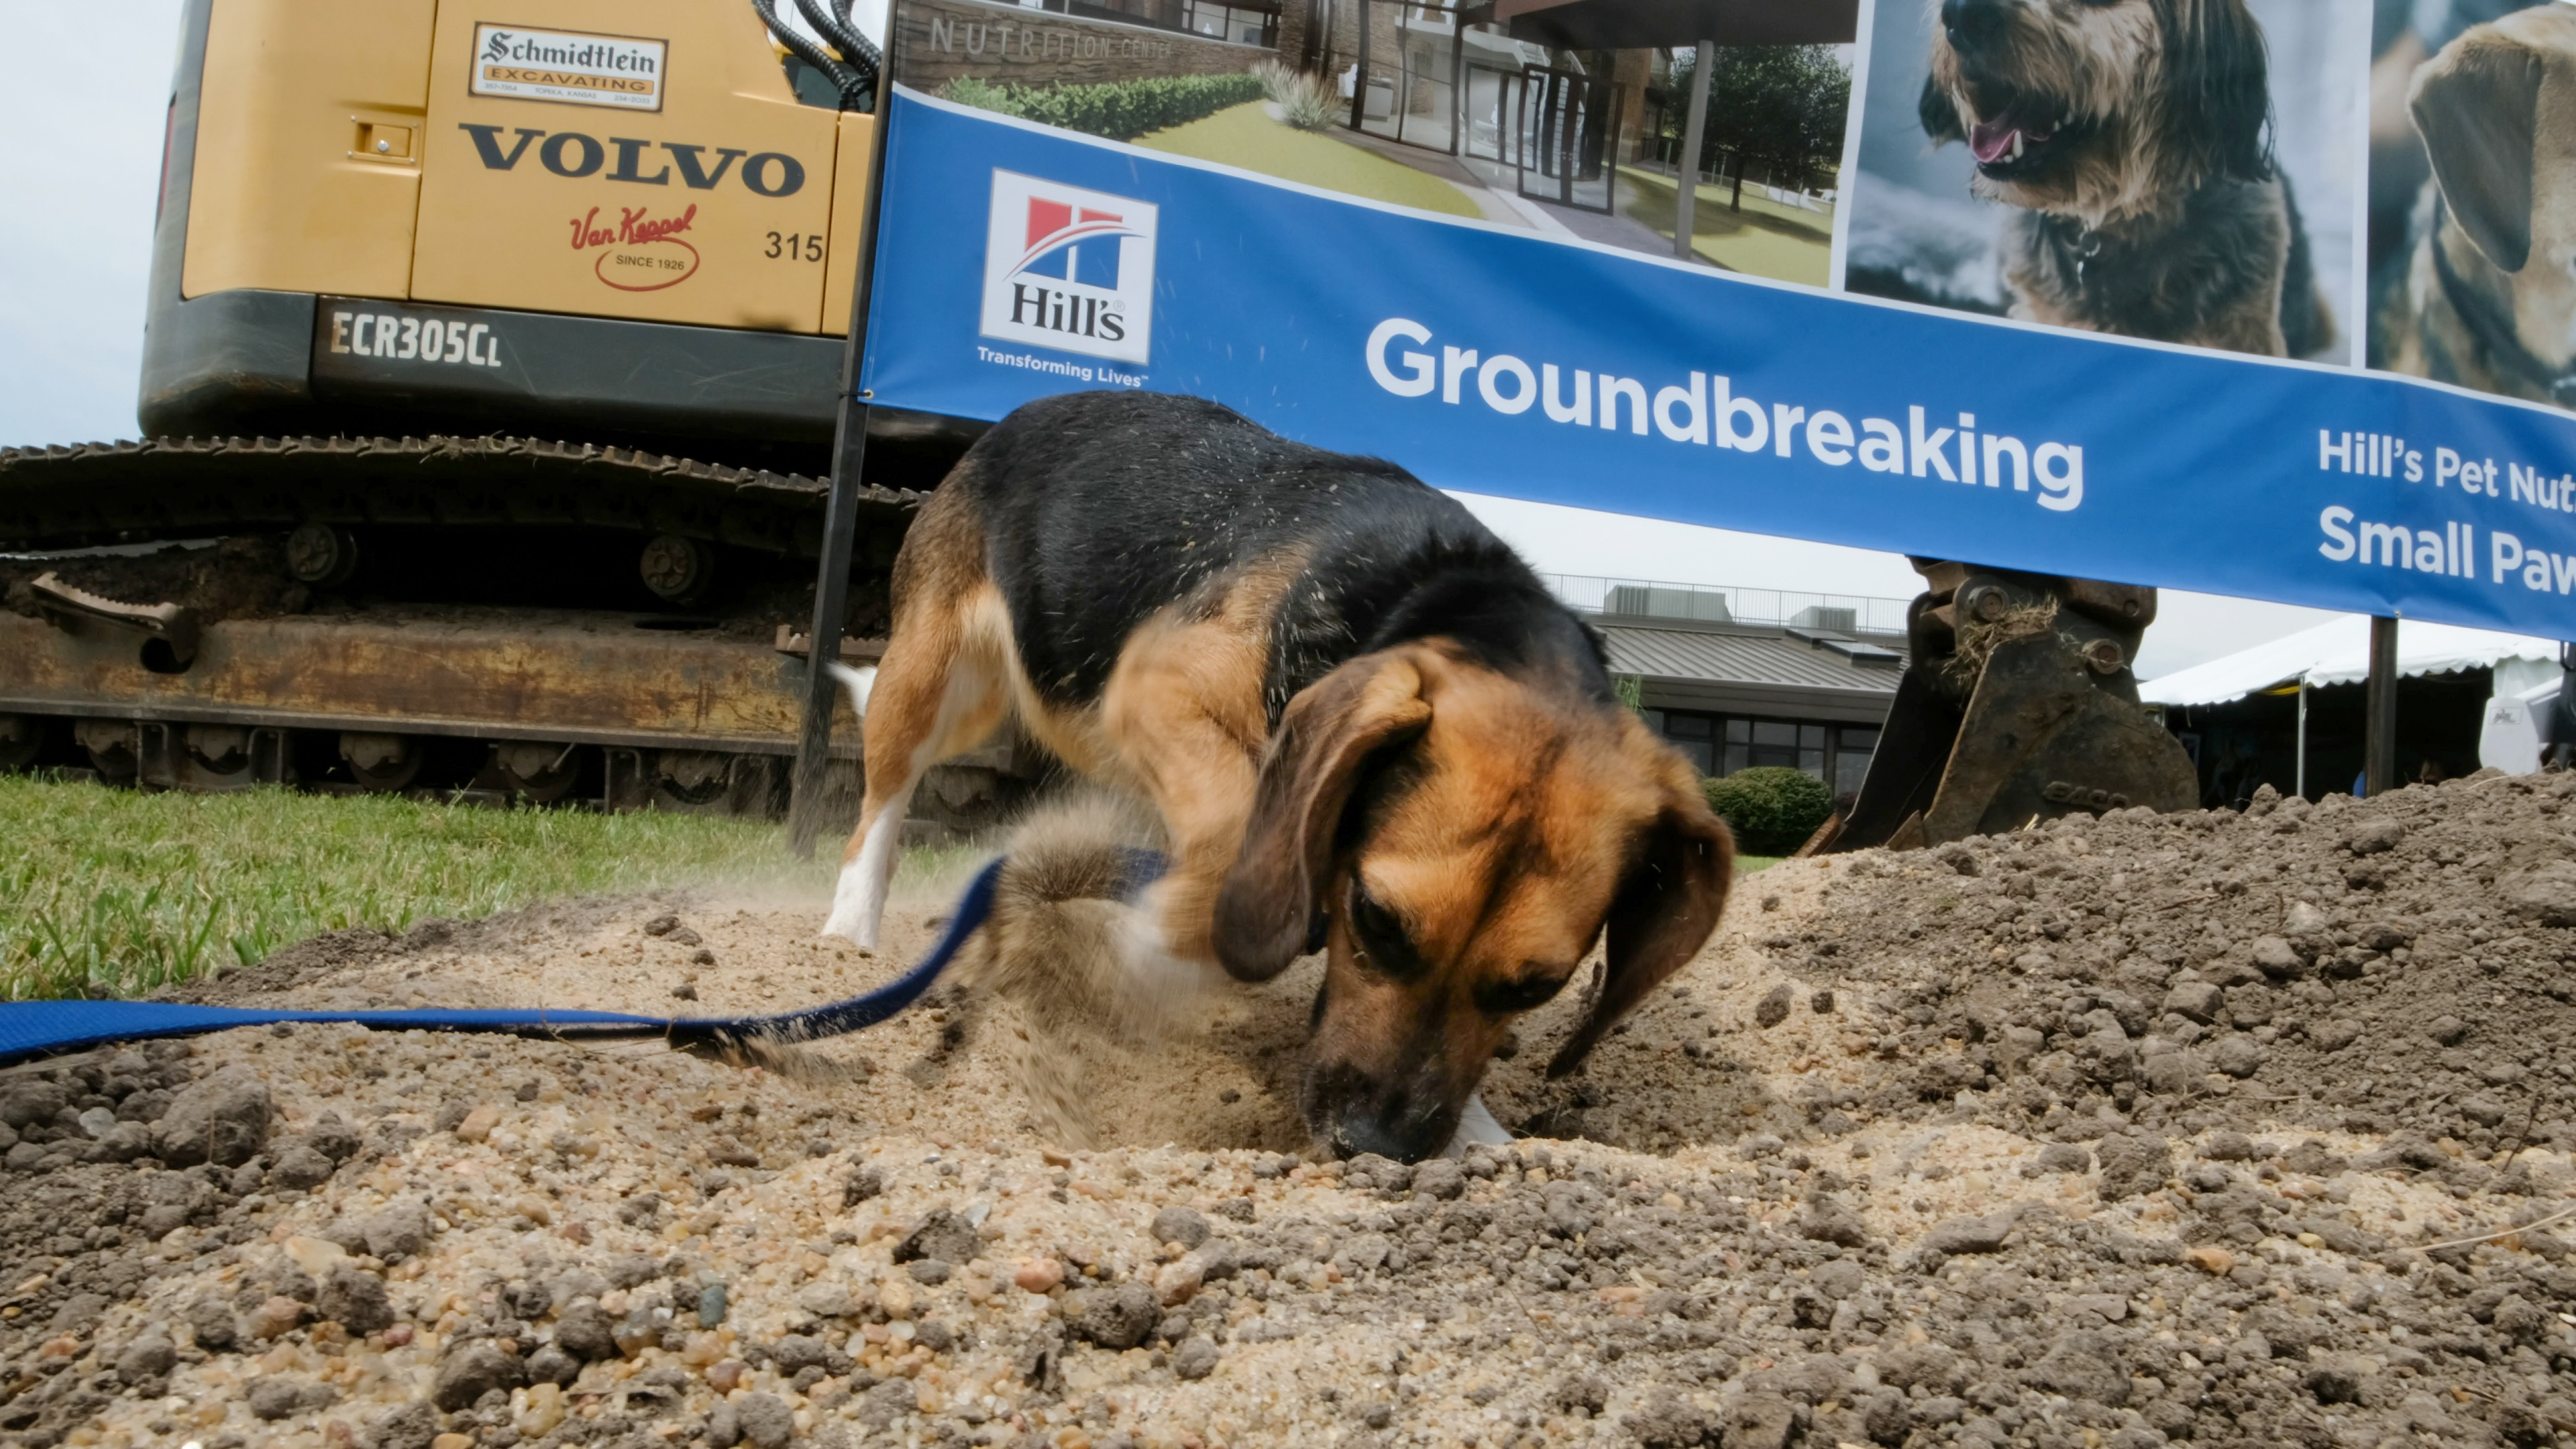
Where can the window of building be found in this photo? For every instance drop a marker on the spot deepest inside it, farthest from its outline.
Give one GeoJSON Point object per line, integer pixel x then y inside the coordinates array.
{"type": "Point", "coordinates": [1241, 24]}
{"type": "Point", "coordinates": [1721, 745]}
{"type": "Point", "coordinates": [1783, 743]}
{"type": "Point", "coordinates": [1852, 750]}
{"type": "Point", "coordinates": [1694, 735]}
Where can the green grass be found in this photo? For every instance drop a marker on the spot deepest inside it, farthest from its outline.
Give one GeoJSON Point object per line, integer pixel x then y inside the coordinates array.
{"type": "Point", "coordinates": [118, 892]}
{"type": "Point", "coordinates": [1751, 863]}
{"type": "Point", "coordinates": [114, 892]}
{"type": "Point", "coordinates": [1765, 239]}
{"type": "Point", "coordinates": [1245, 136]}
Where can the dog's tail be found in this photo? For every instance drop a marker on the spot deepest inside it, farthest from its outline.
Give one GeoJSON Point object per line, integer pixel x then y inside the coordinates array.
{"type": "Point", "coordinates": [859, 682]}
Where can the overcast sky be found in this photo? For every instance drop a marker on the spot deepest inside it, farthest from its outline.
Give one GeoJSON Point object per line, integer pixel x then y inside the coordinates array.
{"type": "Point", "coordinates": [80, 155]}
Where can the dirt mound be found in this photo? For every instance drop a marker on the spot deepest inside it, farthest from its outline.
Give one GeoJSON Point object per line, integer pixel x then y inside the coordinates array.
{"type": "Point", "coordinates": [2114, 1132]}
{"type": "Point", "coordinates": [2398, 966]}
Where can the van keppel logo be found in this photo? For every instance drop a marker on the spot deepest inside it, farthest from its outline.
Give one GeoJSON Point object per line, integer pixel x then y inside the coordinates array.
{"type": "Point", "coordinates": [1069, 269]}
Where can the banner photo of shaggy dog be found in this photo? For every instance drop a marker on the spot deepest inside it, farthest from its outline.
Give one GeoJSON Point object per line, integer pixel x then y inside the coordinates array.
{"type": "Point", "coordinates": [2183, 171]}
{"type": "Point", "coordinates": [2472, 225]}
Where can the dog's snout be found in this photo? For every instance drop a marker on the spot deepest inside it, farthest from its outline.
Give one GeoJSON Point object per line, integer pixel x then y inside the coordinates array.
{"type": "Point", "coordinates": [1969, 22]}
{"type": "Point", "coordinates": [1361, 1136]}
{"type": "Point", "coordinates": [1352, 1112]}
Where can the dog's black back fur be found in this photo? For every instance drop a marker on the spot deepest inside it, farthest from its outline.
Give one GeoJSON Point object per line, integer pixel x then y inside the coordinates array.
{"type": "Point", "coordinates": [1102, 508]}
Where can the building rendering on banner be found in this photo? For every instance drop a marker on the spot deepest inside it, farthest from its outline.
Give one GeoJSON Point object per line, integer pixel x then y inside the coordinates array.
{"type": "Point", "coordinates": [1537, 115]}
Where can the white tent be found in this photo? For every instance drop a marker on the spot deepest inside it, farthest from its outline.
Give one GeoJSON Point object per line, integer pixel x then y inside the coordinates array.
{"type": "Point", "coordinates": [2338, 652]}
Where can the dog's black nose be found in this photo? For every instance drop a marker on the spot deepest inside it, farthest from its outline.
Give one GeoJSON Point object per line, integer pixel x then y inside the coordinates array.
{"type": "Point", "coordinates": [1359, 1135]}
{"type": "Point", "coordinates": [1971, 21]}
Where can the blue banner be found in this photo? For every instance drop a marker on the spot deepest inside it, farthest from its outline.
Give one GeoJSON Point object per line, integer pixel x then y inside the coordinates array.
{"type": "Point", "coordinates": [1495, 361]}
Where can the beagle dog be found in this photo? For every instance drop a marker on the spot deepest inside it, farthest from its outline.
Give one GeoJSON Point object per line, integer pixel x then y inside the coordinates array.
{"type": "Point", "coordinates": [1366, 725]}
{"type": "Point", "coordinates": [2488, 294]}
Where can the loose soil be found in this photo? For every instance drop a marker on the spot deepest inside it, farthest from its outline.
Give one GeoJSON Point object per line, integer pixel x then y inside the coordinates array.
{"type": "Point", "coordinates": [2235, 1129]}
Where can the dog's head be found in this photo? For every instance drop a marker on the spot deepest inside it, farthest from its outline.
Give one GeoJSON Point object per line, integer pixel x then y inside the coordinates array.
{"type": "Point", "coordinates": [2497, 111]}
{"type": "Point", "coordinates": [2099, 109]}
{"type": "Point", "coordinates": [1463, 839]}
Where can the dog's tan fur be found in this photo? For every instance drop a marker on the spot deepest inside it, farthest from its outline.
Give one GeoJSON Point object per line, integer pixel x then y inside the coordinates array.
{"type": "Point", "coordinates": [1181, 722]}
{"type": "Point", "coordinates": [2497, 111]}
{"type": "Point", "coordinates": [1496, 860]}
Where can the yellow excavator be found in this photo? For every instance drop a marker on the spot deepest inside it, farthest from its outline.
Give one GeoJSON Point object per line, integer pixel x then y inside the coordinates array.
{"type": "Point", "coordinates": [444, 299]}
{"type": "Point", "coordinates": [493, 365]}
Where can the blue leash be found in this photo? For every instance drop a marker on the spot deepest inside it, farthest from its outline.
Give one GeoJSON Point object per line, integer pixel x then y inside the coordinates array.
{"type": "Point", "coordinates": [31, 1029]}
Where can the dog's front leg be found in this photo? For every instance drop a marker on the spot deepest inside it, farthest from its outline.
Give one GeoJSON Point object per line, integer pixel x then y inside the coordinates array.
{"type": "Point", "coordinates": [1204, 801]}
{"type": "Point", "coordinates": [1183, 711]}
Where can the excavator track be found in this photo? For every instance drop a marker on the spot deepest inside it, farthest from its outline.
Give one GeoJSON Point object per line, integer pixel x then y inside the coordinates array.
{"type": "Point", "coordinates": [471, 643]}
{"type": "Point", "coordinates": [168, 488]}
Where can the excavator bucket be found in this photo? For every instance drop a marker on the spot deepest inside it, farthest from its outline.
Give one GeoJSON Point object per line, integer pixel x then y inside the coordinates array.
{"type": "Point", "coordinates": [2018, 705]}
{"type": "Point", "coordinates": [2041, 740]}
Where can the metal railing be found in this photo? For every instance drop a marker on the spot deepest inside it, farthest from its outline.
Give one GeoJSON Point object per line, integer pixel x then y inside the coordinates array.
{"type": "Point", "coordinates": [1616, 599]}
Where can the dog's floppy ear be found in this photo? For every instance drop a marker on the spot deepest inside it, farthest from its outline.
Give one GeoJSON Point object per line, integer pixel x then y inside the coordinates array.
{"type": "Point", "coordinates": [2218, 86]}
{"type": "Point", "coordinates": [1662, 915]}
{"type": "Point", "coordinates": [1327, 734]}
{"type": "Point", "coordinates": [1940, 114]}
{"type": "Point", "coordinates": [2477, 105]}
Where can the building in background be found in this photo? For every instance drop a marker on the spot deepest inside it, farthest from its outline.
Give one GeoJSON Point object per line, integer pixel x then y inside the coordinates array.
{"type": "Point", "coordinates": [1531, 128]}
{"type": "Point", "coordinates": [1531, 114]}
{"type": "Point", "coordinates": [1742, 677]}
{"type": "Point", "coordinates": [1443, 78]}
{"type": "Point", "coordinates": [1240, 22]}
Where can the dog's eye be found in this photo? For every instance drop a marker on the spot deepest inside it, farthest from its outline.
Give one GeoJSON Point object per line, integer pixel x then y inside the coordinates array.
{"type": "Point", "coordinates": [1383, 946]}
{"type": "Point", "coordinates": [1503, 998]}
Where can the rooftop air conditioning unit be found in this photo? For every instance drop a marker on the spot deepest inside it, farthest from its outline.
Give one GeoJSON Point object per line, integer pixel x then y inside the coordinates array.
{"type": "Point", "coordinates": [1818, 616]}
{"type": "Point", "coordinates": [1660, 601]}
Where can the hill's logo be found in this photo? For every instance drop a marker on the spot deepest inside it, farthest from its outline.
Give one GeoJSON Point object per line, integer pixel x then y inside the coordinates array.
{"type": "Point", "coordinates": [1069, 269]}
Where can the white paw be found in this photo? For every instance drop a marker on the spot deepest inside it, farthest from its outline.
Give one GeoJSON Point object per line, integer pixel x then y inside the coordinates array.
{"type": "Point", "coordinates": [849, 928]}
{"type": "Point", "coordinates": [1476, 1127]}
{"type": "Point", "coordinates": [858, 906]}
{"type": "Point", "coordinates": [860, 682]}
{"type": "Point", "coordinates": [1152, 990]}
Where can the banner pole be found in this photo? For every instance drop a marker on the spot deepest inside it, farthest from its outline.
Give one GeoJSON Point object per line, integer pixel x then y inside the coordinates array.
{"type": "Point", "coordinates": [2379, 737]}
{"type": "Point", "coordinates": [1360, 71]}
{"type": "Point", "coordinates": [2299, 783]}
{"type": "Point", "coordinates": [840, 513]}
{"type": "Point", "coordinates": [1694, 135]}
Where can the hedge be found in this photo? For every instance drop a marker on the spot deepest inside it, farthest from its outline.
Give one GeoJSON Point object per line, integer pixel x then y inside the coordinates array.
{"type": "Point", "coordinates": [1121, 111]}
{"type": "Point", "coordinates": [1771, 808]}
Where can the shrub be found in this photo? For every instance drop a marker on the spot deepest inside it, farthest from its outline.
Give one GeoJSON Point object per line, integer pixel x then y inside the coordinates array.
{"type": "Point", "coordinates": [1307, 102]}
{"type": "Point", "coordinates": [1772, 809]}
{"type": "Point", "coordinates": [1121, 111]}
